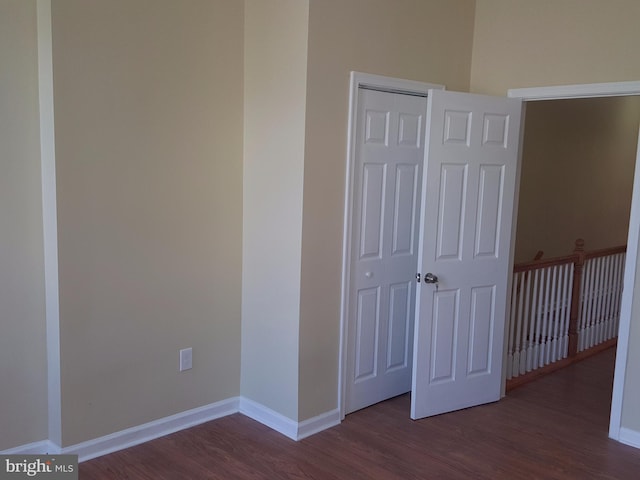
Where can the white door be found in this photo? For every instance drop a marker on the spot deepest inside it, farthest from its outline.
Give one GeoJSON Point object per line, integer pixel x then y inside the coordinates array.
{"type": "Point", "coordinates": [388, 168]}
{"type": "Point", "coordinates": [465, 237]}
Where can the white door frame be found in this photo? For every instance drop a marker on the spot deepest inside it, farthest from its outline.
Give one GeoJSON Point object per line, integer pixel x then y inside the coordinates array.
{"type": "Point", "coordinates": [387, 84]}
{"type": "Point", "coordinates": [608, 90]}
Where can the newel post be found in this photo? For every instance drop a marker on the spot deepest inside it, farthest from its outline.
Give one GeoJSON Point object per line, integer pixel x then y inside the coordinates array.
{"type": "Point", "coordinates": [575, 297]}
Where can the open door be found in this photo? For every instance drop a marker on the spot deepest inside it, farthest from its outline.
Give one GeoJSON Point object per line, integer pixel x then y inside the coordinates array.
{"type": "Point", "coordinates": [468, 199]}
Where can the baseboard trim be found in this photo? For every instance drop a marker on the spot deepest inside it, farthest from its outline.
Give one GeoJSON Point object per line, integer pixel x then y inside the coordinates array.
{"type": "Point", "coordinates": [152, 430]}
{"type": "Point", "coordinates": [629, 437]}
{"type": "Point", "coordinates": [43, 447]}
{"type": "Point", "coordinates": [270, 418]}
{"type": "Point", "coordinates": [318, 423]}
{"type": "Point", "coordinates": [284, 425]}
{"type": "Point", "coordinates": [180, 421]}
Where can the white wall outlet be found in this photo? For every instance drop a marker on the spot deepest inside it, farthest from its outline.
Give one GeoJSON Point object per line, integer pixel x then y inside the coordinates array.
{"type": "Point", "coordinates": [186, 359]}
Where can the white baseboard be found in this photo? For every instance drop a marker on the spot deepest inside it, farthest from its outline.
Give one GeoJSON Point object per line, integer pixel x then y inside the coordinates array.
{"type": "Point", "coordinates": [270, 418]}
{"type": "Point", "coordinates": [190, 418]}
{"type": "Point", "coordinates": [284, 425]}
{"type": "Point", "coordinates": [43, 447]}
{"type": "Point", "coordinates": [319, 423]}
{"type": "Point", "coordinates": [629, 437]}
{"type": "Point", "coordinates": [149, 431]}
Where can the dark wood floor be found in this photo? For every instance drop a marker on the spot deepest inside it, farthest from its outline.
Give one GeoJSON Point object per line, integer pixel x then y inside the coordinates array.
{"type": "Point", "coordinates": [554, 428]}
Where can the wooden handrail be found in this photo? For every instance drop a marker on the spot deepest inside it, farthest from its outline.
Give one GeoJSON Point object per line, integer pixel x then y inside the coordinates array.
{"type": "Point", "coordinates": [606, 251]}
{"type": "Point", "coordinates": [547, 262]}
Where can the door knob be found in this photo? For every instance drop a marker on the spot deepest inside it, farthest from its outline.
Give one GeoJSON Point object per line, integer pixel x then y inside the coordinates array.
{"type": "Point", "coordinates": [430, 278]}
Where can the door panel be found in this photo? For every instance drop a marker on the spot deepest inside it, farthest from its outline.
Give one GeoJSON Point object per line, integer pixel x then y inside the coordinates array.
{"type": "Point", "coordinates": [451, 214]}
{"type": "Point", "coordinates": [374, 183]}
{"type": "Point", "coordinates": [465, 231]}
{"type": "Point", "coordinates": [388, 170]}
{"type": "Point", "coordinates": [404, 214]}
{"type": "Point", "coordinates": [444, 337]}
{"type": "Point", "coordinates": [480, 332]}
{"type": "Point", "coordinates": [489, 203]}
{"type": "Point", "coordinates": [400, 320]}
{"type": "Point", "coordinates": [368, 319]}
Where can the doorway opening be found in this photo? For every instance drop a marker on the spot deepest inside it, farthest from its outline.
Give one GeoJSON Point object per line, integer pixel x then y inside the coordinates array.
{"type": "Point", "coordinates": [595, 91]}
{"type": "Point", "coordinates": [575, 195]}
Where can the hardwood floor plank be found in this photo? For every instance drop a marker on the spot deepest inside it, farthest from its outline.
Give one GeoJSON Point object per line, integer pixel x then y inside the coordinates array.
{"type": "Point", "coordinates": [554, 428]}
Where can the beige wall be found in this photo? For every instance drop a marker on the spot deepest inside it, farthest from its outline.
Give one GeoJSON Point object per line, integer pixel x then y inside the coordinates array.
{"type": "Point", "coordinates": [274, 116]}
{"type": "Point", "coordinates": [148, 118]}
{"type": "Point", "coordinates": [23, 368]}
{"type": "Point", "coordinates": [553, 42]}
{"type": "Point", "coordinates": [428, 41]}
{"type": "Point", "coordinates": [577, 174]}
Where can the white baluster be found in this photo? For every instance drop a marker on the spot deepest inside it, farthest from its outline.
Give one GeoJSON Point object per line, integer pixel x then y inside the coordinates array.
{"type": "Point", "coordinates": [608, 299]}
{"type": "Point", "coordinates": [532, 323]}
{"type": "Point", "coordinates": [537, 349]}
{"type": "Point", "coordinates": [525, 323]}
{"type": "Point", "coordinates": [551, 306]}
{"type": "Point", "coordinates": [516, 354]}
{"type": "Point", "coordinates": [545, 320]}
{"type": "Point", "coordinates": [557, 314]}
{"type": "Point", "coordinates": [568, 292]}
{"type": "Point", "coordinates": [582, 307]}
{"type": "Point", "coordinates": [512, 322]}
{"type": "Point", "coordinates": [617, 296]}
{"type": "Point", "coordinates": [597, 318]}
{"type": "Point", "coordinates": [588, 295]}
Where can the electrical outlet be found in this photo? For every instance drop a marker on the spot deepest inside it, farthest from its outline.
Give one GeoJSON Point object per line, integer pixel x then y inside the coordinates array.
{"type": "Point", "coordinates": [186, 359]}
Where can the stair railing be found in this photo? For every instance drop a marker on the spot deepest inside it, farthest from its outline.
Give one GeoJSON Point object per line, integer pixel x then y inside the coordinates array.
{"type": "Point", "coordinates": [562, 310]}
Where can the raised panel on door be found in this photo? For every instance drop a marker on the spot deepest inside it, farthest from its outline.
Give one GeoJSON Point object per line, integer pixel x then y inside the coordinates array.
{"type": "Point", "coordinates": [367, 323]}
{"type": "Point", "coordinates": [404, 212]}
{"type": "Point", "coordinates": [489, 204]}
{"type": "Point", "coordinates": [481, 325]}
{"type": "Point", "coordinates": [467, 204]}
{"type": "Point", "coordinates": [373, 190]}
{"type": "Point", "coordinates": [400, 321]}
{"type": "Point", "coordinates": [443, 338]}
{"type": "Point", "coordinates": [450, 226]}
{"type": "Point", "coordinates": [388, 169]}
